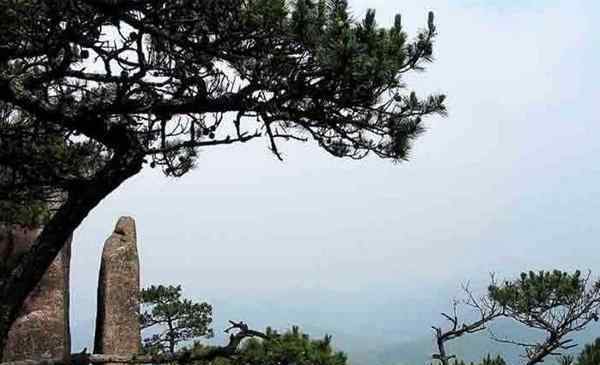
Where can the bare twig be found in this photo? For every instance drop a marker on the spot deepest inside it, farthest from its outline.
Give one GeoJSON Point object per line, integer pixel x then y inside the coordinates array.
{"type": "Point", "coordinates": [487, 312]}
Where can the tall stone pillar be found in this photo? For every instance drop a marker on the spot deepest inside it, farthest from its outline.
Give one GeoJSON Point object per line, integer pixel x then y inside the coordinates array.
{"type": "Point", "coordinates": [117, 318]}
{"type": "Point", "coordinates": [42, 329]}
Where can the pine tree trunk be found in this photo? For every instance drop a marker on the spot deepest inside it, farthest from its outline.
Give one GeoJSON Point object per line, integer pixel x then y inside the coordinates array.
{"type": "Point", "coordinates": [3, 338]}
{"type": "Point", "coordinates": [442, 349]}
{"type": "Point", "coordinates": [5, 324]}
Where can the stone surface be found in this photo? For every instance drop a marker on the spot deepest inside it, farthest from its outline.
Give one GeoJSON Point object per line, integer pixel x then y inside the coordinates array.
{"type": "Point", "coordinates": [42, 329]}
{"type": "Point", "coordinates": [117, 322]}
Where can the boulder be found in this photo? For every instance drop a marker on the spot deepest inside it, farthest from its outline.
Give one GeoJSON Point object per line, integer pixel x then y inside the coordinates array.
{"type": "Point", "coordinates": [42, 328]}
{"type": "Point", "coordinates": [117, 318]}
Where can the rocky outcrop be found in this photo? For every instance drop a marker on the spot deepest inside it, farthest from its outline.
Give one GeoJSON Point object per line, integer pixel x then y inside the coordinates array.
{"type": "Point", "coordinates": [42, 329]}
{"type": "Point", "coordinates": [117, 322]}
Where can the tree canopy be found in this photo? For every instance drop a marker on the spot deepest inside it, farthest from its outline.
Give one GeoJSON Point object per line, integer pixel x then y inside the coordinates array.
{"type": "Point", "coordinates": [488, 360]}
{"type": "Point", "coordinates": [93, 90]}
{"type": "Point", "coordinates": [287, 348]}
{"type": "Point", "coordinates": [590, 355]}
{"type": "Point", "coordinates": [172, 320]}
{"type": "Point", "coordinates": [158, 77]}
{"type": "Point", "coordinates": [556, 303]}
{"type": "Point", "coordinates": [175, 326]}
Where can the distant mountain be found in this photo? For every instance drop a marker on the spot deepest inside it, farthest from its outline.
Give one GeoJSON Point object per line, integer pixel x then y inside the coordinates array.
{"type": "Point", "coordinates": [469, 347]}
{"type": "Point", "coordinates": [365, 349]}
{"type": "Point", "coordinates": [419, 351]}
{"type": "Point", "coordinates": [370, 328]}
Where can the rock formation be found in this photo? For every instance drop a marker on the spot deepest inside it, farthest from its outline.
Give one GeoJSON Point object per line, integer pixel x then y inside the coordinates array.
{"type": "Point", "coordinates": [42, 329]}
{"type": "Point", "coordinates": [117, 322]}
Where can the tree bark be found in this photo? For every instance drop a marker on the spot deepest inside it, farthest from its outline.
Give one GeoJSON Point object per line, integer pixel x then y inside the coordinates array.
{"type": "Point", "coordinates": [442, 348]}
{"type": "Point", "coordinates": [4, 328]}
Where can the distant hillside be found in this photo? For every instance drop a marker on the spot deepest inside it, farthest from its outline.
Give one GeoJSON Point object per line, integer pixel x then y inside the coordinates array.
{"type": "Point", "coordinates": [363, 349]}
{"type": "Point", "coordinates": [470, 348]}
{"type": "Point", "coordinates": [363, 330]}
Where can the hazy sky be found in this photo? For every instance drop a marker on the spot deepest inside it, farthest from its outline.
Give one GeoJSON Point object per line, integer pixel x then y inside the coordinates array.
{"type": "Point", "coordinates": [509, 181]}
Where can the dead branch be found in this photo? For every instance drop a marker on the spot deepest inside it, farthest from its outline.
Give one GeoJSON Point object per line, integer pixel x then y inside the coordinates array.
{"type": "Point", "coordinates": [487, 311]}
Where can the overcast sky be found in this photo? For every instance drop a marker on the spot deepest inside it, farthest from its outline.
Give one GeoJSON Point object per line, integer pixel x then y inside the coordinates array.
{"type": "Point", "coordinates": [508, 182]}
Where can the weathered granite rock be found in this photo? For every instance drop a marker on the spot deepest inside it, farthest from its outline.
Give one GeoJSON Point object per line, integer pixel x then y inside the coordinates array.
{"type": "Point", "coordinates": [42, 329]}
{"type": "Point", "coordinates": [117, 319]}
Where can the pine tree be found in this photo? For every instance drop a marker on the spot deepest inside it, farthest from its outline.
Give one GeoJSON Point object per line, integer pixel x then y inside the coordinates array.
{"type": "Point", "coordinates": [172, 320]}
{"type": "Point", "coordinates": [291, 347]}
{"type": "Point", "coordinates": [555, 302]}
{"type": "Point", "coordinates": [488, 360]}
{"type": "Point", "coordinates": [590, 354]}
{"type": "Point", "coordinates": [88, 112]}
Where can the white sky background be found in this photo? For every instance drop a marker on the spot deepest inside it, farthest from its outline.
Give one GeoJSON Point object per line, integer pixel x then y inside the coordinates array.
{"type": "Point", "coordinates": [508, 182]}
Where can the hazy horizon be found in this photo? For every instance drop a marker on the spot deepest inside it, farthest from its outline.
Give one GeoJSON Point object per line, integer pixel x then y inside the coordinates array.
{"type": "Point", "coordinates": [508, 182]}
